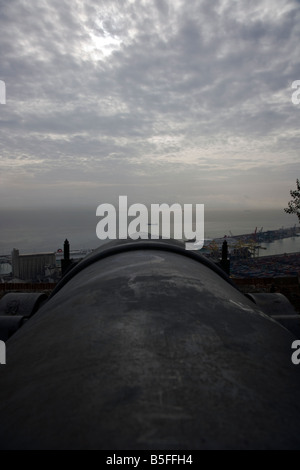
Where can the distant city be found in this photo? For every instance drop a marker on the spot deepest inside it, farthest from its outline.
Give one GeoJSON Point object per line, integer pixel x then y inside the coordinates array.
{"type": "Point", "coordinates": [243, 250]}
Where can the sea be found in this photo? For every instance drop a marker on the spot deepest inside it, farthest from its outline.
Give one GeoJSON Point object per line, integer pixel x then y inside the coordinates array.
{"type": "Point", "coordinates": [45, 230]}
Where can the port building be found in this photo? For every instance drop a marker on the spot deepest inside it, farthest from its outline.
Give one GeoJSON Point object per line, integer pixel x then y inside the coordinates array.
{"type": "Point", "coordinates": [31, 266]}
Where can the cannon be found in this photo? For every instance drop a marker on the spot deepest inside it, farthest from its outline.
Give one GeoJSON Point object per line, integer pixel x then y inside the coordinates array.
{"type": "Point", "coordinates": [145, 345]}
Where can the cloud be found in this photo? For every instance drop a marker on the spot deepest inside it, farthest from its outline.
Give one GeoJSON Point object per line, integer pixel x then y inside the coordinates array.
{"type": "Point", "coordinates": [162, 99]}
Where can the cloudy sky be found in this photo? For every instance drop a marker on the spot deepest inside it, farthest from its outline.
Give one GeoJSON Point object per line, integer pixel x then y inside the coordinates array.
{"type": "Point", "coordinates": [161, 100]}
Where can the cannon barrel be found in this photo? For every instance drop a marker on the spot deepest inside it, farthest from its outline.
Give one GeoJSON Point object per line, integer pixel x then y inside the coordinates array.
{"type": "Point", "coordinates": [144, 345]}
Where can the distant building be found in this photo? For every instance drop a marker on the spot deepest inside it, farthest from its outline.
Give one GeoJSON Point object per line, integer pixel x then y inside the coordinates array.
{"type": "Point", "coordinates": [31, 266]}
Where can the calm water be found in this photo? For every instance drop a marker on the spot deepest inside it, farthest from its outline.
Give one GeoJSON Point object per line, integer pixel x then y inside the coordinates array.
{"type": "Point", "coordinates": [37, 230]}
{"type": "Point", "coordinates": [286, 245]}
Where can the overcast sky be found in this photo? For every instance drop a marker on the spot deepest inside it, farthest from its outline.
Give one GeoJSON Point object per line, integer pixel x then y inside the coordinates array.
{"type": "Point", "coordinates": [161, 100]}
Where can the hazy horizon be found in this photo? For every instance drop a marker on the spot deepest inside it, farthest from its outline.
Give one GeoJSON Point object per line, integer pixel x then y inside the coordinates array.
{"type": "Point", "coordinates": [45, 230]}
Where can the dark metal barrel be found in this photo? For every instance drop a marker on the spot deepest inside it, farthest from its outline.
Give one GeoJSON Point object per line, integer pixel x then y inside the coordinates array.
{"type": "Point", "coordinates": [148, 346]}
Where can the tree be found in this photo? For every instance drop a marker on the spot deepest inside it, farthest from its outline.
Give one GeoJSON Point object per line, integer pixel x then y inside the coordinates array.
{"type": "Point", "coordinates": [294, 204]}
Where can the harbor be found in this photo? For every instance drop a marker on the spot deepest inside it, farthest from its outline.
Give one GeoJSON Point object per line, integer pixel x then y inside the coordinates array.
{"type": "Point", "coordinates": [258, 254]}
{"type": "Point", "coordinates": [256, 244]}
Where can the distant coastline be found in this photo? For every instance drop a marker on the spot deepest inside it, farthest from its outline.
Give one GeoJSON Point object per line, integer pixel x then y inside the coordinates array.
{"type": "Point", "coordinates": [34, 231]}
